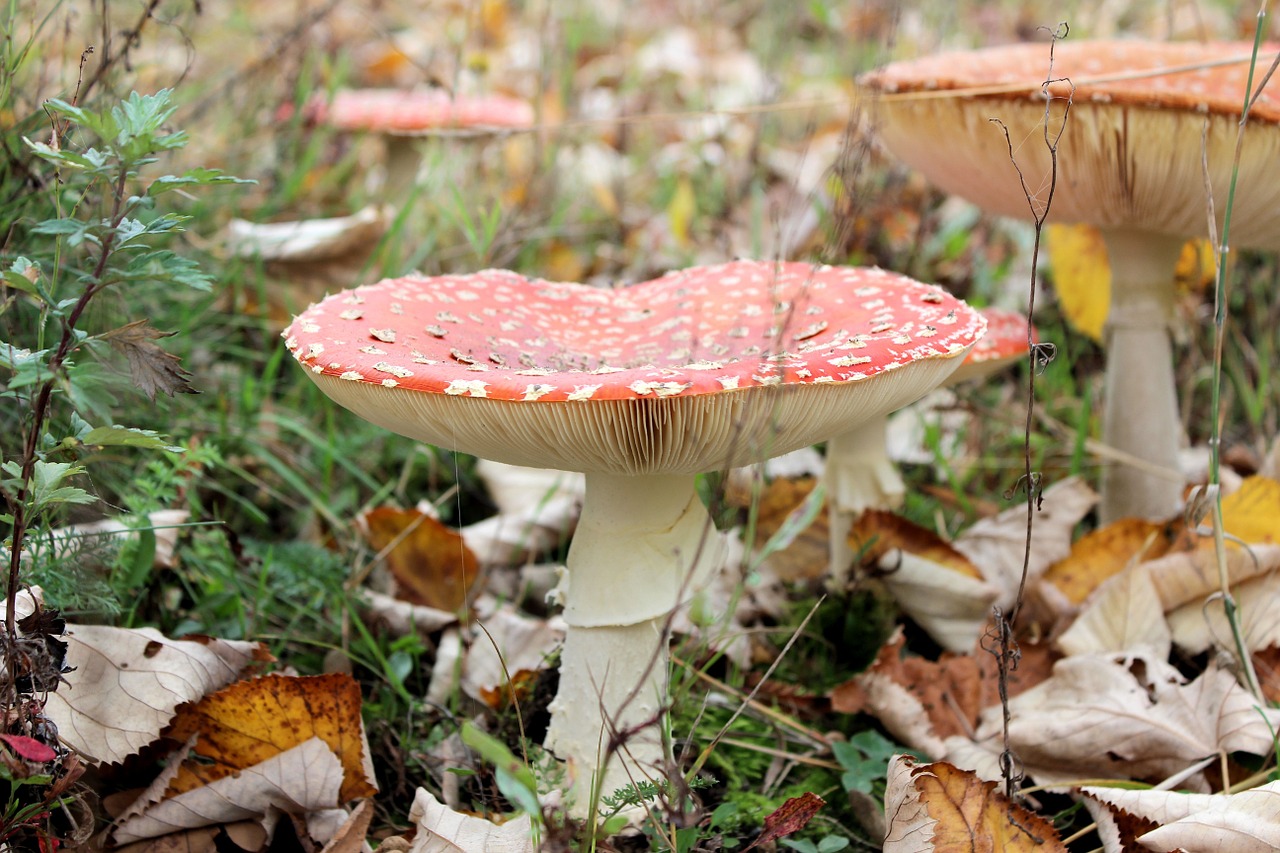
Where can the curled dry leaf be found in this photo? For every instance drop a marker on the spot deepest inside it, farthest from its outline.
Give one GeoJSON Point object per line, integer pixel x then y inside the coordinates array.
{"type": "Point", "coordinates": [507, 645]}
{"type": "Point", "coordinates": [537, 511]}
{"type": "Point", "coordinates": [443, 830]}
{"type": "Point", "coordinates": [938, 808]}
{"type": "Point", "coordinates": [933, 583]}
{"type": "Point", "coordinates": [430, 562]}
{"type": "Point", "coordinates": [997, 545]}
{"type": "Point", "coordinates": [1198, 626]}
{"type": "Point", "coordinates": [1200, 823]}
{"type": "Point", "coordinates": [304, 778]}
{"type": "Point", "coordinates": [789, 818]}
{"type": "Point", "coordinates": [129, 682]}
{"type": "Point", "coordinates": [151, 368]}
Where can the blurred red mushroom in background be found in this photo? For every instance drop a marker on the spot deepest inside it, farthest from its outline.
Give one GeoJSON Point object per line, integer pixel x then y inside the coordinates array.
{"type": "Point", "coordinates": [1150, 126]}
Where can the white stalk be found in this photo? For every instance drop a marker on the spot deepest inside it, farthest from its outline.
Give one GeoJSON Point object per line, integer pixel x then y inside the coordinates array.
{"type": "Point", "coordinates": [1140, 408]}
{"type": "Point", "coordinates": [644, 544]}
{"type": "Point", "coordinates": [860, 476]}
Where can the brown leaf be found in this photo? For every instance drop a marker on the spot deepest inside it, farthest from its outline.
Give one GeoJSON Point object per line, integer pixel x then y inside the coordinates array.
{"type": "Point", "coordinates": [254, 720]}
{"type": "Point", "coordinates": [923, 702]}
{"type": "Point", "coordinates": [939, 808]}
{"type": "Point", "coordinates": [430, 562]}
{"type": "Point", "coordinates": [151, 367]}
{"type": "Point", "coordinates": [792, 816]}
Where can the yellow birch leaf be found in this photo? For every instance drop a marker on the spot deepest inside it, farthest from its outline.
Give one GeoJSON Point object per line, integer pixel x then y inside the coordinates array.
{"type": "Point", "coordinates": [1102, 553]}
{"type": "Point", "coordinates": [1081, 276]}
{"type": "Point", "coordinates": [681, 210]}
{"type": "Point", "coordinates": [1252, 512]}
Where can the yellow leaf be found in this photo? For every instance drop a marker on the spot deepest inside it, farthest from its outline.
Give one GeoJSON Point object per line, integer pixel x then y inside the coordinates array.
{"type": "Point", "coordinates": [1102, 553]}
{"type": "Point", "coordinates": [681, 210]}
{"type": "Point", "coordinates": [254, 720]}
{"type": "Point", "coordinates": [1081, 276]}
{"type": "Point", "coordinates": [1197, 266]}
{"type": "Point", "coordinates": [1252, 512]}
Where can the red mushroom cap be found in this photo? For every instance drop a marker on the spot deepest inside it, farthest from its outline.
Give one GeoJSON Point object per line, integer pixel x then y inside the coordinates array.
{"type": "Point", "coordinates": [1147, 121]}
{"type": "Point", "coordinates": [1204, 77]}
{"type": "Point", "coordinates": [399, 111]}
{"type": "Point", "coordinates": [1004, 342]}
{"type": "Point", "coordinates": [725, 332]}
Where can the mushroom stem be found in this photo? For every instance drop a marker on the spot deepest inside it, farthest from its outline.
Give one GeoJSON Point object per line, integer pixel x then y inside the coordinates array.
{"type": "Point", "coordinates": [860, 475]}
{"type": "Point", "coordinates": [403, 161]}
{"type": "Point", "coordinates": [1140, 409]}
{"type": "Point", "coordinates": [643, 544]}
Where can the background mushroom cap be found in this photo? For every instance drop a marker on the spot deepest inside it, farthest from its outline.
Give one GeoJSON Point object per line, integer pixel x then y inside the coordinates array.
{"type": "Point", "coordinates": [418, 110]}
{"type": "Point", "coordinates": [702, 368]}
{"type": "Point", "coordinates": [1004, 342]}
{"type": "Point", "coordinates": [1130, 156]}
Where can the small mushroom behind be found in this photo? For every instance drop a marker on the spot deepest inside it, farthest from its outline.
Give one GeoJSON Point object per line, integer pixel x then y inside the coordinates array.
{"type": "Point", "coordinates": [1150, 124]}
{"type": "Point", "coordinates": [641, 388]}
{"type": "Point", "coordinates": [401, 116]}
{"type": "Point", "coordinates": [304, 259]}
{"type": "Point", "coordinates": [859, 473]}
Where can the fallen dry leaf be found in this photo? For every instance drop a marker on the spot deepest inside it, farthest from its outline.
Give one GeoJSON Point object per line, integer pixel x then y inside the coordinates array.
{"type": "Point", "coordinates": [933, 583]}
{"type": "Point", "coordinates": [129, 682]}
{"type": "Point", "coordinates": [430, 562]}
{"type": "Point", "coordinates": [443, 830]}
{"type": "Point", "coordinates": [938, 808]}
{"type": "Point", "coordinates": [1110, 716]}
{"type": "Point", "coordinates": [1201, 625]}
{"type": "Point", "coordinates": [304, 778]}
{"type": "Point", "coordinates": [507, 645]}
{"type": "Point", "coordinates": [997, 545]}
{"type": "Point", "coordinates": [789, 818]}
{"type": "Point", "coordinates": [1125, 618]}
{"type": "Point", "coordinates": [150, 366]}
{"type": "Point", "coordinates": [1201, 823]}
{"type": "Point", "coordinates": [252, 721]}
{"type": "Point", "coordinates": [923, 702]}
{"type": "Point", "coordinates": [1101, 553]}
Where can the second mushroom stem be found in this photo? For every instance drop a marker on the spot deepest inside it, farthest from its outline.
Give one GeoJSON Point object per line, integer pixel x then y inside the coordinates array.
{"type": "Point", "coordinates": [1140, 409]}
{"type": "Point", "coordinates": [643, 545]}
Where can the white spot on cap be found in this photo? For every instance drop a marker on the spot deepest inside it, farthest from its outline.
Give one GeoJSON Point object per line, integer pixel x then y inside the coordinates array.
{"type": "Point", "coordinates": [394, 370]}
{"type": "Point", "coordinates": [390, 383]}
{"type": "Point", "coordinates": [372, 350]}
{"type": "Point", "coordinates": [314, 350]}
{"type": "Point", "coordinates": [729, 382]}
{"type": "Point", "coordinates": [583, 392]}
{"type": "Point", "coordinates": [387, 336]}
{"type": "Point", "coordinates": [467, 388]}
{"type": "Point", "coordinates": [352, 375]}
{"type": "Point", "coordinates": [536, 390]}
{"type": "Point", "coordinates": [850, 360]}
{"type": "Point", "coordinates": [352, 314]}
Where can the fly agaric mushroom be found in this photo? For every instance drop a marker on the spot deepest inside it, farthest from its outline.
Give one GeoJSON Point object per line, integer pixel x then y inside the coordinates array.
{"type": "Point", "coordinates": [1149, 125]}
{"type": "Point", "coordinates": [859, 473]}
{"type": "Point", "coordinates": [641, 388]}
{"type": "Point", "coordinates": [401, 115]}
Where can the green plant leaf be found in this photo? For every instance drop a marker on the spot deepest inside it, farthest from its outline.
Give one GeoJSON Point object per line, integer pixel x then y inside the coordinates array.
{"type": "Point", "coordinates": [193, 177]}
{"type": "Point", "coordinates": [495, 752]}
{"type": "Point", "coordinates": [122, 436]}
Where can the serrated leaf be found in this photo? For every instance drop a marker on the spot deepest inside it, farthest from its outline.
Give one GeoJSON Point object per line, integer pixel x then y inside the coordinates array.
{"type": "Point", "coordinates": [151, 368]}
{"type": "Point", "coordinates": [167, 265]}
{"type": "Point", "coordinates": [120, 436]}
{"type": "Point", "coordinates": [46, 488]}
{"type": "Point", "coordinates": [59, 227]}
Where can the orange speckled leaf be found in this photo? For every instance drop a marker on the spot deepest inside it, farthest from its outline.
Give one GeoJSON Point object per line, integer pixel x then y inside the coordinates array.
{"type": "Point", "coordinates": [430, 562]}
{"type": "Point", "coordinates": [1102, 553]}
{"type": "Point", "coordinates": [790, 817]}
{"type": "Point", "coordinates": [879, 531]}
{"type": "Point", "coordinates": [940, 808]}
{"type": "Point", "coordinates": [257, 719]}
